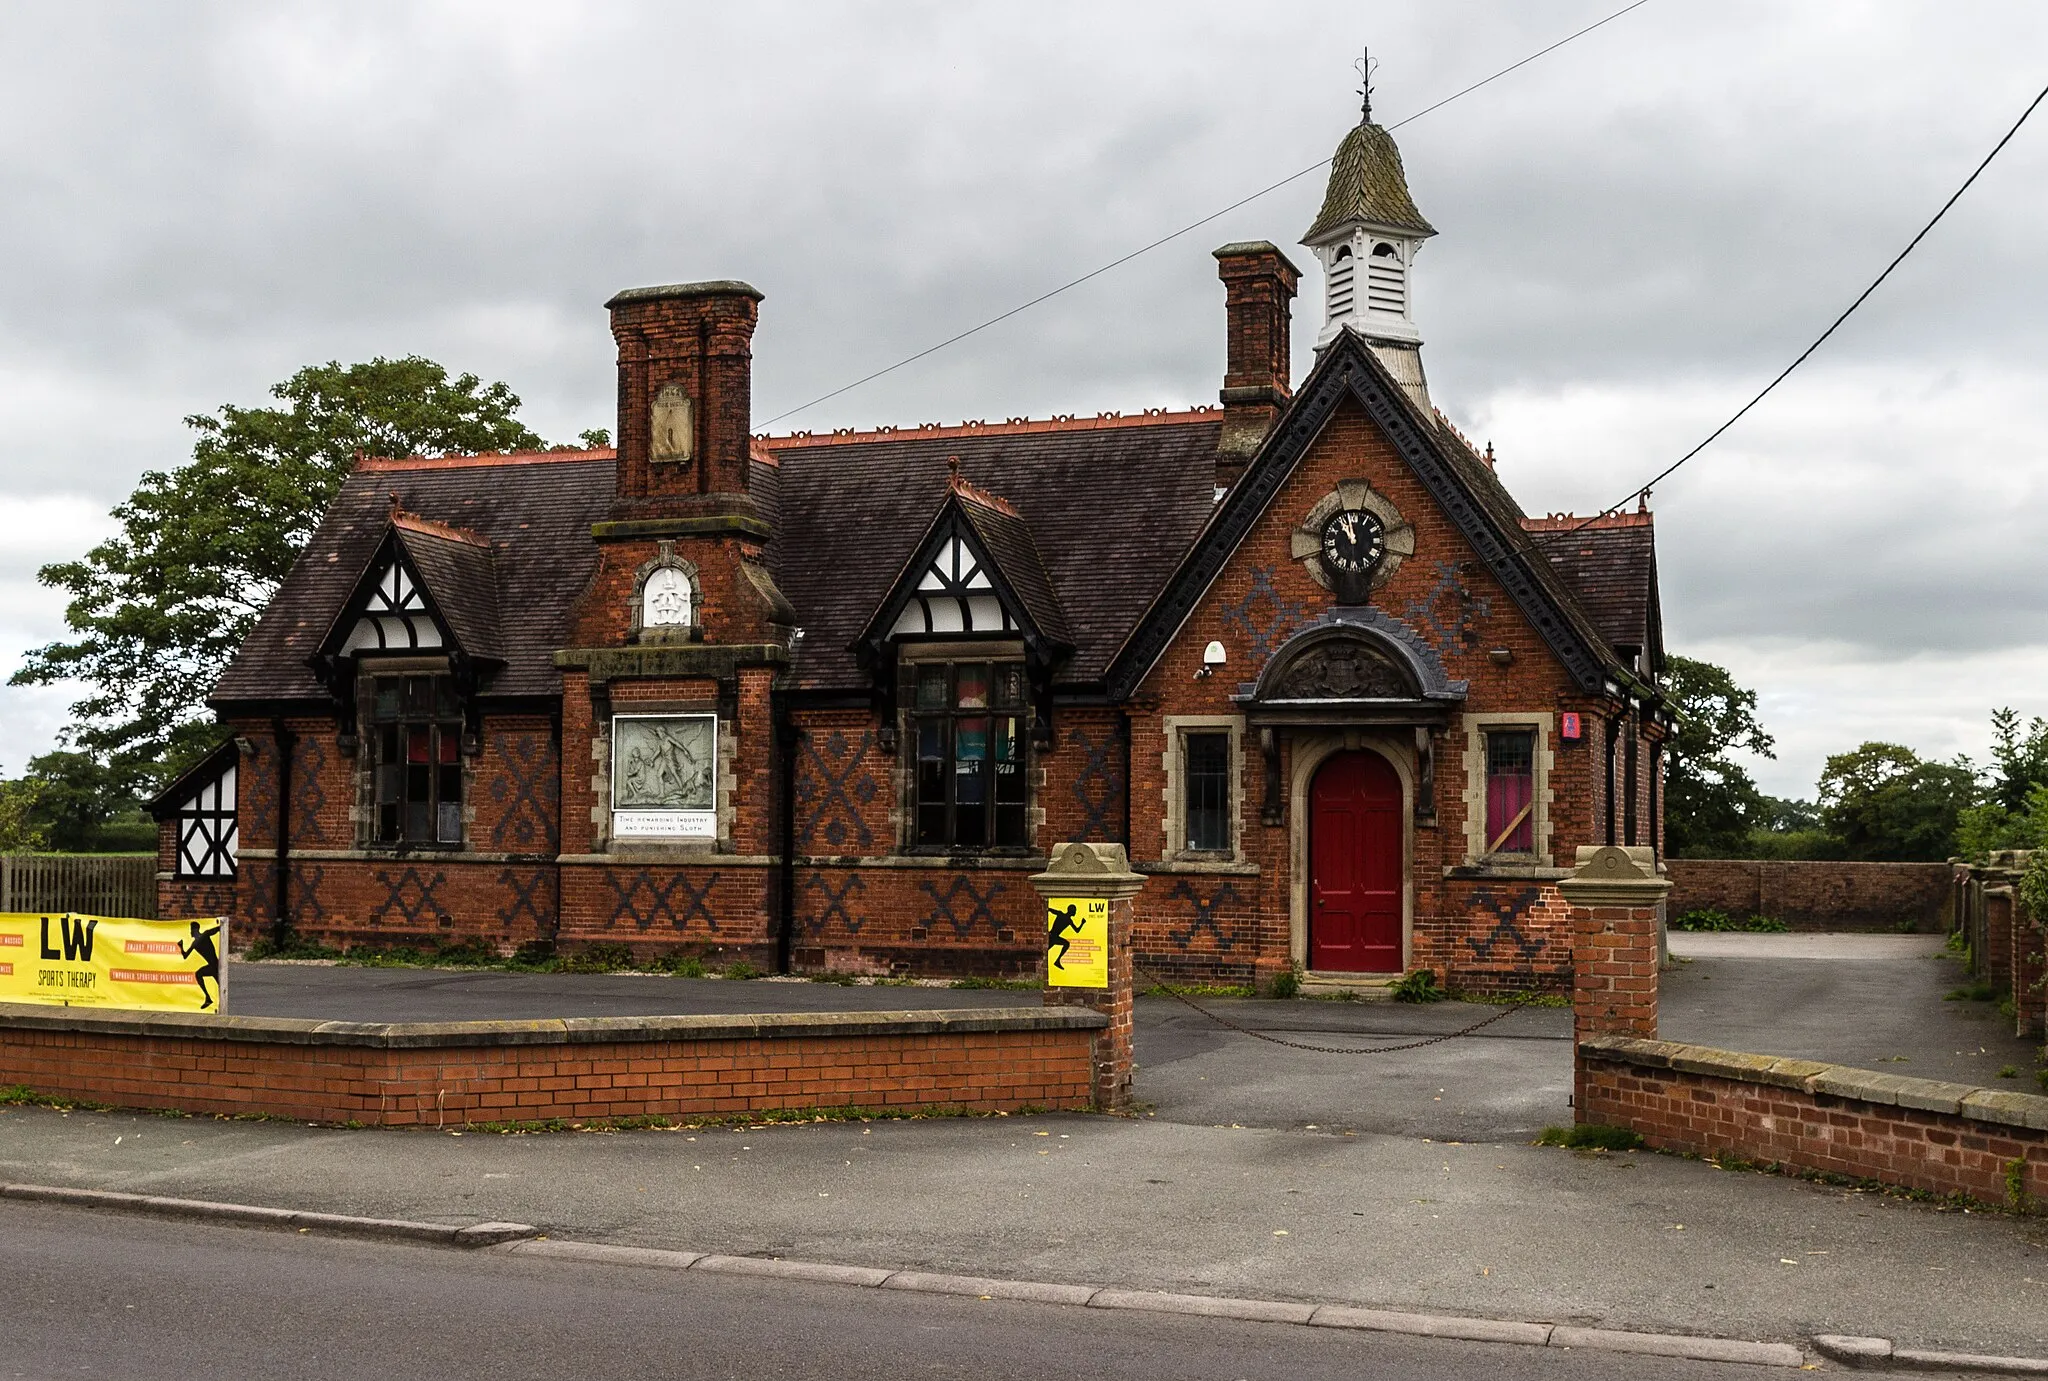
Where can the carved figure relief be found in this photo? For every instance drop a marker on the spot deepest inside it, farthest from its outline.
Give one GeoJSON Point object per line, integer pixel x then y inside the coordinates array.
{"type": "Point", "coordinates": [674, 430]}
{"type": "Point", "coordinates": [1343, 669]}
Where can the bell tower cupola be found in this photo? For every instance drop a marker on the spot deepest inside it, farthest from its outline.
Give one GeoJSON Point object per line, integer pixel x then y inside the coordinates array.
{"type": "Point", "coordinates": [1367, 236]}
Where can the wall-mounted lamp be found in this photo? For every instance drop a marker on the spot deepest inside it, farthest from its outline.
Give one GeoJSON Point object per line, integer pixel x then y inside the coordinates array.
{"type": "Point", "coordinates": [1213, 656]}
{"type": "Point", "coordinates": [1501, 656]}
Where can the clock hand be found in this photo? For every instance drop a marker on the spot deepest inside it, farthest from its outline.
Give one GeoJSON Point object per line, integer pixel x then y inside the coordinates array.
{"type": "Point", "coordinates": [1350, 526]}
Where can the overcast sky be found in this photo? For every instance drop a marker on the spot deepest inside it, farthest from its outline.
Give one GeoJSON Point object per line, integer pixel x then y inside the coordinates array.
{"type": "Point", "coordinates": [1635, 233]}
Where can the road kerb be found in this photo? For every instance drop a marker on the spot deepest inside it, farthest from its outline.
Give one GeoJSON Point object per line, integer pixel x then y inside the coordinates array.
{"type": "Point", "coordinates": [524, 1240]}
{"type": "Point", "coordinates": [983, 1287]}
{"type": "Point", "coordinates": [1679, 1345]}
{"type": "Point", "coordinates": [252, 1215]}
{"type": "Point", "coordinates": [601, 1253]}
{"type": "Point", "coordinates": [1431, 1325]}
{"type": "Point", "coordinates": [1204, 1306]}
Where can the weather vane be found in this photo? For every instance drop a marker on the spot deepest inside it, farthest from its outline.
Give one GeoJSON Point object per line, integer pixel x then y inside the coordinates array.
{"type": "Point", "coordinates": [1366, 67]}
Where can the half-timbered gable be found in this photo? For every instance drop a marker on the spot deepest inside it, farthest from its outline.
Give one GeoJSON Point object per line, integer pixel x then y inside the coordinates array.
{"type": "Point", "coordinates": [824, 702]}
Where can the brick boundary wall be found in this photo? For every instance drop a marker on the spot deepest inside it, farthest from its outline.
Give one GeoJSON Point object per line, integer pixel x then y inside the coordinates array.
{"type": "Point", "coordinates": [1916, 1133]}
{"type": "Point", "coordinates": [1811, 894]}
{"type": "Point", "coordinates": [452, 1073]}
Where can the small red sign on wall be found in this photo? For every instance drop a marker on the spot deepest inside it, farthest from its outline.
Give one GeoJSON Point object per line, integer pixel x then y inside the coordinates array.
{"type": "Point", "coordinates": [1568, 727]}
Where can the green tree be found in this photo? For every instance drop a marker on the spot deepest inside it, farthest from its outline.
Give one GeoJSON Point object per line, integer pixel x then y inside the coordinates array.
{"type": "Point", "coordinates": [1709, 799]}
{"type": "Point", "coordinates": [84, 806]}
{"type": "Point", "coordinates": [158, 609]}
{"type": "Point", "coordinates": [19, 832]}
{"type": "Point", "coordinates": [1884, 801]}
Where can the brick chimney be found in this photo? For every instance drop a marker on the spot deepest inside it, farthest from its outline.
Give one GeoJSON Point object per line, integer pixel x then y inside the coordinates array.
{"type": "Point", "coordinates": [685, 397]}
{"type": "Point", "coordinates": [1258, 288]}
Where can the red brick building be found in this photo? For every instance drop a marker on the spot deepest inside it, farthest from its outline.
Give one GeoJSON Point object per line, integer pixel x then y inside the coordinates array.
{"type": "Point", "coordinates": [823, 702]}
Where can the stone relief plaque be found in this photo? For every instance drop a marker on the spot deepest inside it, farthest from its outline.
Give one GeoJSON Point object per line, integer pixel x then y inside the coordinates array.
{"type": "Point", "coordinates": [674, 426]}
{"type": "Point", "coordinates": [665, 776]}
{"type": "Point", "coordinates": [665, 599]}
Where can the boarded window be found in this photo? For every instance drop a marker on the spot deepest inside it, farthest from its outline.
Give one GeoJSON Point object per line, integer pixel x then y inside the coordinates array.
{"type": "Point", "coordinates": [1511, 791]}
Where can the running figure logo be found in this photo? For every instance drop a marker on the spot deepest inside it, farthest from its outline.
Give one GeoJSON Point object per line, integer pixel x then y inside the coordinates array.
{"type": "Point", "coordinates": [202, 945]}
{"type": "Point", "coordinates": [1077, 942]}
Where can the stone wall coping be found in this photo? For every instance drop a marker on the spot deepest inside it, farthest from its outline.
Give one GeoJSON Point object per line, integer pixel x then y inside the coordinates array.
{"type": "Point", "coordinates": [16, 1016]}
{"type": "Point", "coordinates": [1997, 1106]}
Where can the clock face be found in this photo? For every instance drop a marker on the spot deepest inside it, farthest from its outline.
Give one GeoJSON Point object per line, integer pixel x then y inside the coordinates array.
{"type": "Point", "coordinates": [1353, 541]}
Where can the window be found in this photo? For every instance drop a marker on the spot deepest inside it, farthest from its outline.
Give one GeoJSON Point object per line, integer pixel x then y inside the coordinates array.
{"type": "Point", "coordinates": [206, 829]}
{"type": "Point", "coordinates": [967, 732]}
{"type": "Point", "coordinates": [1511, 791]}
{"type": "Point", "coordinates": [1208, 792]}
{"type": "Point", "coordinates": [416, 726]}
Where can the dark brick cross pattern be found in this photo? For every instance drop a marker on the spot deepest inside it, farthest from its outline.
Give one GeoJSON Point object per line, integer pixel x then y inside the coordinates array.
{"type": "Point", "coordinates": [1265, 619]}
{"type": "Point", "coordinates": [1098, 786]}
{"type": "Point", "coordinates": [835, 904]}
{"type": "Point", "coordinates": [306, 907]}
{"type": "Point", "coordinates": [946, 906]}
{"type": "Point", "coordinates": [309, 764]}
{"type": "Point", "coordinates": [1509, 911]}
{"type": "Point", "coordinates": [411, 895]}
{"type": "Point", "coordinates": [830, 797]}
{"type": "Point", "coordinates": [527, 898]}
{"type": "Point", "coordinates": [1205, 913]}
{"type": "Point", "coordinates": [525, 789]}
{"type": "Point", "coordinates": [257, 793]}
{"type": "Point", "coordinates": [1457, 626]}
{"type": "Point", "coordinates": [643, 901]}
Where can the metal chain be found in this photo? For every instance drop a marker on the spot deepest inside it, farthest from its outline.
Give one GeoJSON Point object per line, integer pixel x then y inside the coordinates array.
{"type": "Point", "coordinates": [1511, 1008]}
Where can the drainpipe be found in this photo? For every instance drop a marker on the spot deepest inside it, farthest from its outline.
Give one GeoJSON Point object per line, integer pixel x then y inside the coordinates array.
{"type": "Point", "coordinates": [281, 925]}
{"type": "Point", "coordinates": [1124, 732]}
{"type": "Point", "coordinates": [786, 735]}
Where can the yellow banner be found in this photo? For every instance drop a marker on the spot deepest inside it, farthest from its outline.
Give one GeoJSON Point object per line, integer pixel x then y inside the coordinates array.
{"type": "Point", "coordinates": [1077, 942]}
{"type": "Point", "coordinates": [68, 960]}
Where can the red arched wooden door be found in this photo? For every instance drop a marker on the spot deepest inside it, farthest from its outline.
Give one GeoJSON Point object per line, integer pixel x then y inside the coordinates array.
{"type": "Point", "coordinates": [1354, 850]}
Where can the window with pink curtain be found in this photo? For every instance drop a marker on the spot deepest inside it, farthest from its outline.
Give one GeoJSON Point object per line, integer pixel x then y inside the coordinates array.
{"type": "Point", "coordinates": [1511, 791]}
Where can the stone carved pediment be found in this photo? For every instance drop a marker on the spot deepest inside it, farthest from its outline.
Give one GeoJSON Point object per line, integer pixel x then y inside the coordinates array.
{"type": "Point", "coordinates": [1344, 669]}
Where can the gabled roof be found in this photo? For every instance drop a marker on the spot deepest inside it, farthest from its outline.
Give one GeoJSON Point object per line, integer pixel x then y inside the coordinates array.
{"type": "Point", "coordinates": [451, 575]}
{"type": "Point", "coordinates": [187, 783]}
{"type": "Point", "coordinates": [1000, 558]}
{"type": "Point", "coordinates": [1462, 484]}
{"type": "Point", "coordinates": [535, 509]}
{"type": "Point", "coordinates": [1111, 505]}
{"type": "Point", "coordinates": [1367, 184]}
{"type": "Point", "coordinates": [1611, 564]}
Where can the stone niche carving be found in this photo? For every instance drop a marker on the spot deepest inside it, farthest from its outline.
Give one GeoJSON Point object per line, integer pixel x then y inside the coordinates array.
{"type": "Point", "coordinates": [1344, 669]}
{"type": "Point", "coordinates": [674, 429]}
{"type": "Point", "coordinates": [665, 599]}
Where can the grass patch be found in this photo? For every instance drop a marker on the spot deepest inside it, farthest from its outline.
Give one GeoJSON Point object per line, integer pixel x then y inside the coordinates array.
{"type": "Point", "coordinates": [1591, 1136]}
{"type": "Point", "coordinates": [2009, 1072]}
{"type": "Point", "coordinates": [1286, 984]}
{"type": "Point", "coordinates": [1017, 985]}
{"type": "Point", "coordinates": [22, 1096]}
{"type": "Point", "coordinates": [1709, 919]}
{"type": "Point", "coordinates": [768, 1117]}
{"type": "Point", "coordinates": [1199, 990]}
{"type": "Point", "coordinates": [1528, 998]}
{"type": "Point", "coordinates": [1973, 992]}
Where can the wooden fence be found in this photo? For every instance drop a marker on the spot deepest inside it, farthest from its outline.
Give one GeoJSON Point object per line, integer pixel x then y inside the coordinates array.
{"type": "Point", "coordinates": [96, 884]}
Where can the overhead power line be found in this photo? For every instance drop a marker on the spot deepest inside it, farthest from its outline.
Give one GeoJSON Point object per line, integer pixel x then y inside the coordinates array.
{"type": "Point", "coordinates": [1821, 339]}
{"type": "Point", "coordinates": [1191, 226]}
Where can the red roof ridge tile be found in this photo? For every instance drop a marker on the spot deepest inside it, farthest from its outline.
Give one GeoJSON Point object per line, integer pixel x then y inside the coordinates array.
{"type": "Point", "coordinates": [413, 522]}
{"type": "Point", "coordinates": [485, 458]}
{"type": "Point", "coordinates": [1565, 522]}
{"type": "Point", "coordinates": [1014, 426]}
{"type": "Point", "coordinates": [973, 495]}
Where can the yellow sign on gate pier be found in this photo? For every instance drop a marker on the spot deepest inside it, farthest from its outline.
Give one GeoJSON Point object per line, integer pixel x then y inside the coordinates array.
{"type": "Point", "coordinates": [68, 960]}
{"type": "Point", "coordinates": [1077, 942]}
